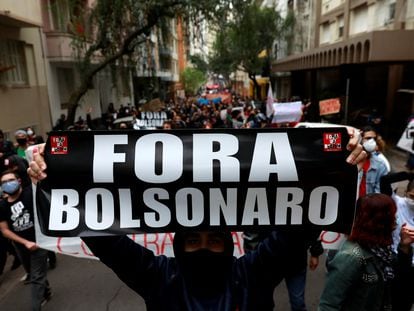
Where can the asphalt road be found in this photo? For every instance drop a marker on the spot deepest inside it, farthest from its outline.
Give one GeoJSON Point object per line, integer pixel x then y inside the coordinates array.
{"type": "Point", "coordinates": [84, 284]}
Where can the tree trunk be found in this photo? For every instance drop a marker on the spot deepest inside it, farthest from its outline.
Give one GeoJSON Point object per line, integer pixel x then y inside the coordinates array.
{"type": "Point", "coordinates": [74, 103]}
{"type": "Point", "coordinates": [256, 94]}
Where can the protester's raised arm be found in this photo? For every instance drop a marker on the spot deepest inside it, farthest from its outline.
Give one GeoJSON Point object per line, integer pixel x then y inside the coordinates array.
{"type": "Point", "coordinates": [38, 165]}
{"type": "Point", "coordinates": [357, 154]}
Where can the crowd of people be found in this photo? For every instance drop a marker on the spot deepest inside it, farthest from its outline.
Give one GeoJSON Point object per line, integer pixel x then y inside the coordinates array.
{"type": "Point", "coordinates": [371, 271]}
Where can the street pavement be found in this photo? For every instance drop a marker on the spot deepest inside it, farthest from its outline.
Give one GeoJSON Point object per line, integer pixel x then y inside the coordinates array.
{"type": "Point", "coordinates": [84, 284]}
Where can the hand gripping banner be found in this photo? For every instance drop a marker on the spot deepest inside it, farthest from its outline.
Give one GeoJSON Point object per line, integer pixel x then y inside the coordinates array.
{"type": "Point", "coordinates": [118, 182]}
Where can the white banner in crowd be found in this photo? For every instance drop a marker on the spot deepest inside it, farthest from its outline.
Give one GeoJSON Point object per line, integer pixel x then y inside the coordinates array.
{"type": "Point", "coordinates": [287, 112]}
{"type": "Point", "coordinates": [406, 140]}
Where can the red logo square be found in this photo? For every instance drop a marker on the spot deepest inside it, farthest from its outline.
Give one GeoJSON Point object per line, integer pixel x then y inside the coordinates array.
{"type": "Point", "coordinates": [59, 144]}
{"type": "Point", "coordinates": [332, 142]}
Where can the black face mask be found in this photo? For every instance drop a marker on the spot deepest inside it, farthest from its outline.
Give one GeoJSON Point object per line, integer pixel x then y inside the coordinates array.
{"type": "Point", "coordinates": [21, 141]}
{"type": "Point", "coordinates": [206, 273]}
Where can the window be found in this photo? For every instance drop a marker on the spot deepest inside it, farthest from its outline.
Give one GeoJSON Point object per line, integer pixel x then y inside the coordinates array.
{"type": "Point", "coordinates": [59, 10]}
{"type": "Point", "coordinates": [391, 11]}
{"type": "Point", "coordinates": [340, 27]}
{"type": "Point", "coordinates": [12, 58]}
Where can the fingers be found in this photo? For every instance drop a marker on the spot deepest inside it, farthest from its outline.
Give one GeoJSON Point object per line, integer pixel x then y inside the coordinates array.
{"type": "Point", "coordinates": [354, 137]}
{"type": "Point", "coordinates": [38, 165]}
{"type": "Point", "coordinates": [357, 155]}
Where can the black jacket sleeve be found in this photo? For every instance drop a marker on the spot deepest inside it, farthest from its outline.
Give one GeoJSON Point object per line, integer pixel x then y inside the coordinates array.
{"type": "Point", "coordinates": [388, 180]}
{"type": "Point", "coordinates": [135, 265]}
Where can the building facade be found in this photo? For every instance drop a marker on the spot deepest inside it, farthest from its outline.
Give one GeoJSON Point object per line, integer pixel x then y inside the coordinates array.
{"type": "Point", "coordinates": [361, 51]}
{"type": "Point", "coordinates": [24, 97]}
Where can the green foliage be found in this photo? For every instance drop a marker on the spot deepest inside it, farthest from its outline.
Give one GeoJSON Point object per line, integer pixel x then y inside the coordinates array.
{"type": "Point", "coordinates": [199, 63]}
{"type": "Point", "coordinates": [252, 30]}
{"type": "Point", "coordinates": [193, 79]}
{"type": "Point", "coordinates": [246, 41]}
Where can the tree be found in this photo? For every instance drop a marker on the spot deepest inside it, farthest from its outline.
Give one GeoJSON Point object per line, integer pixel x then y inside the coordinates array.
{"type": "Point", "coordinates": [246, 41]}
{"type": "Point", "coordinates": [199, 63]}
{"type": "Point", "coordinates": [193, 79]}
{"type": "Point", "coordinates": [109, 33]}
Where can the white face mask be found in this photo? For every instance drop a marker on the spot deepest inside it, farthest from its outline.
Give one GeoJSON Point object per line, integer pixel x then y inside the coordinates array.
{"type": "Point", "coordinates": [370, 145]}
{"type": "Point", "coordinates": [29, 132]}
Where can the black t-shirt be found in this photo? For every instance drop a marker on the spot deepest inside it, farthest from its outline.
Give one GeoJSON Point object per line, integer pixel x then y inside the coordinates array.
{"type": "Point", "coordinates": [19, 214]}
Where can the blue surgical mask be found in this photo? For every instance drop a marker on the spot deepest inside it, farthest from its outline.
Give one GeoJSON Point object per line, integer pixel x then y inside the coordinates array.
{"type": "Point", "coordinates": [10, 187]}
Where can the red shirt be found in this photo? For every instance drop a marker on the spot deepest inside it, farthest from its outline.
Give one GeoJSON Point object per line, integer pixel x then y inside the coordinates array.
{"type": "Point", "coordinates": [363, 185]}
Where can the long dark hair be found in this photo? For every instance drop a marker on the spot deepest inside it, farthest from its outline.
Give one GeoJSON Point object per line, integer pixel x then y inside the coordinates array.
{"type": "Point", "coordinates": [374, 221]}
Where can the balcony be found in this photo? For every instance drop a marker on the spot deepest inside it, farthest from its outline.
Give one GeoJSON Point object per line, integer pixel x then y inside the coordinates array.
{"type": "Point", "coordinates": [59, 46]}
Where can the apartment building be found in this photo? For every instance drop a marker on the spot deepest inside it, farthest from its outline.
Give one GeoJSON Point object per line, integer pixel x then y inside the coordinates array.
{"type": "Point", "coordinates": [61, 63]}
{"type": "Point", "coordinates": [359, 50]}
{"type": "Point", "coordinates": [23, 83]}
{"type": "Point", "coordinates": [162, 60]}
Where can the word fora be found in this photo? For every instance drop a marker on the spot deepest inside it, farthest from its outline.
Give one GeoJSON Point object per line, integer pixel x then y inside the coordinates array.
{"type": "Point", "coordinates": [207, 151]}
{"type": "Point", "coordinates": [188, 208]}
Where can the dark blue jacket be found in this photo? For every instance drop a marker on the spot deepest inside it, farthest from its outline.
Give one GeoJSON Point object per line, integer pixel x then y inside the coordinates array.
{"type": "Point", "coordinates": [158, 279]}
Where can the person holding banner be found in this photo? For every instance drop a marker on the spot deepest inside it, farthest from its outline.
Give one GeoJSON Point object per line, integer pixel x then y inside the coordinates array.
{"type": "Point", "coordinates": [204, 275]}
{"type": "Point", "coordinates": [365, 274]}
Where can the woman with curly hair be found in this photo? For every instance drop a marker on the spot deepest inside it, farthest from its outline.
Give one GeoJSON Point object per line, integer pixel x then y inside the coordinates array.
{"type": "Point", "coordinates": [364, 272]}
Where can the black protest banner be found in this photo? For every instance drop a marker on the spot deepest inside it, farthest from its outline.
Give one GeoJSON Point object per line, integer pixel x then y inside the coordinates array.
{"type": "Point", "coordinates": [113, 182]}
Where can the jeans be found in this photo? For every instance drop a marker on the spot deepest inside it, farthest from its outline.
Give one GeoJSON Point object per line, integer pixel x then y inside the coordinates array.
{"type": "Point", "coordinates": [296, 288]}
{"type": "Point", "coordinates": [38, 273]}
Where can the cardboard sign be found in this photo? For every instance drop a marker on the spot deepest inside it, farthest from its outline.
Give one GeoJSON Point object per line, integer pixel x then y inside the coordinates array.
{"type": "Point", "coordinates": [329, 106]}
{"type": "Point", "coordinates": [120, 182]}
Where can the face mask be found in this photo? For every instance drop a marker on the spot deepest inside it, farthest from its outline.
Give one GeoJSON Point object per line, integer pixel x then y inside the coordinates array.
{"type": "Point", "coordinates": [370, 145]}
{"type": "Point", "coordinates": [205, 272]}
{"type": "Point", "coordinates": [21, 141]}
{"type": "Point", "coordinates": [410, 203]}
{"type": "Point", "coordinates": [30, 133]}
{"type": "Point", "coordinates": [10, 187]}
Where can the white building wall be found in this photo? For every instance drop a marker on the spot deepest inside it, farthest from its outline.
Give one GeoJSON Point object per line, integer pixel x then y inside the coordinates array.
{"type": "Point", "coordinates": [329, 5]}
{"type": "Point", "coordinates": [28, 10]}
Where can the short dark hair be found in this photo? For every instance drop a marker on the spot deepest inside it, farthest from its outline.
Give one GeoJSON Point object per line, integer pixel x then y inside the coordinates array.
{"type": "Point", "coordinates": [374, 221]}
{"type": "Point", "coordinates": [9, 171]}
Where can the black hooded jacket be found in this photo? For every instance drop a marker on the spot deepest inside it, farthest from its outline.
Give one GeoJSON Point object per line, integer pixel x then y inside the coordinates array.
{"type": "Point", "coordinates": [246, 284]}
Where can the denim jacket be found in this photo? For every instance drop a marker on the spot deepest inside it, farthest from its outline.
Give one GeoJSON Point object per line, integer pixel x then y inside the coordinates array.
{"type": "Point", "coordinates": [376, 170]}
